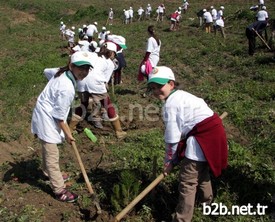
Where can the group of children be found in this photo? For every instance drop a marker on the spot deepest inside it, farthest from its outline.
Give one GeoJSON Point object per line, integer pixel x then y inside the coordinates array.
{"type": "Point", "coordinates": [212, 19]}
{"type": "Point", "coordinates": [194, 134]}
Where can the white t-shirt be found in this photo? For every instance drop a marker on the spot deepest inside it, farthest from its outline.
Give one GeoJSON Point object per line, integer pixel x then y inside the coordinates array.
{"type": "Point", "coordinates": [220, 14]}
{"type": "Point", "coordinates": [140, 11]}
{"type": "Point", "coordinates": [214, 14]}
{"type": "Point", "coordinates": [261, 2]}
{"type": "Point", "coordinates": [53, 103]}
{"type": "Point", "coordinates": [208, 17]}
{"type": "Point", "coordinates": [154, 49]}
{"type": "Point", "coordinates": [148, 10]}
{"type": "Point", "coordinates": [95, 81]}
{"type": "Point", "coordinates": [91, 29]}
{"type": "Point", "coordinates": [126, 14]}
{"type": "Point", "coordinates": [181, 112]}
{"type": "Point", "coordinates": [220, 22]}
{"type": "Point", "coordinates": [50, 72]}
{"type": "Point", "coordinates": [70, 35]}
{"type": "Point", "coordinates": [262, 15]}
{"type": "Point", "coordinates": [131, 13]}
{"type": "Point", "coordinates": [102, 35]}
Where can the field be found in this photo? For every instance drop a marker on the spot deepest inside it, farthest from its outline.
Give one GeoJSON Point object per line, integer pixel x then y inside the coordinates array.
{"type": "Point", "coordinates": [216, 69]}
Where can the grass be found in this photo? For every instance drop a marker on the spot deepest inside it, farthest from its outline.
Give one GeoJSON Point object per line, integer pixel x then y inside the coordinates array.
{"type": "Point", "coordinates": [217, 69]}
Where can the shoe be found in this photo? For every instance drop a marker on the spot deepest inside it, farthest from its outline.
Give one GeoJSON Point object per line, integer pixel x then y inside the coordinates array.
{"type": "Point", "coordinates": [105, 117]}
{"type": "Point", "coordinates": [66, 196]}
{"type": "Point", "coordinates": [97, 124]}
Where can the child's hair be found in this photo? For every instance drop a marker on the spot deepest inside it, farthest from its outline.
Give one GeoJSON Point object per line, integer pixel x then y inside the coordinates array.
{"type": "Point", "coordinates": [61, 70]}
{"type": "Point", "coordinates": [104, 51]}
{"type": "Point", "coordinates": [151, 31]}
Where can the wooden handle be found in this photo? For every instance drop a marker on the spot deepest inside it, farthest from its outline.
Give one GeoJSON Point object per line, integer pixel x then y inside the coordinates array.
{"type": "Point", "coordinates": [261, 38]}
{"type": "Point", "coordinates": [91, 191]}
{"type": "Point", "coordinates": [147, 190]}
{"type": "Point", "coordinates": [139, 197]}
{"type": "Point", "coordinates": [224, 114]}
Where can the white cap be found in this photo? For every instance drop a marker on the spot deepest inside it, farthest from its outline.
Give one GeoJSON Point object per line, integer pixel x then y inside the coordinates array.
{"type": "Point", "coordinates": [211, 6]}
{"type": "Point", "coordinates": [94, 44]}
{"type": "Point", "coordinates": [61, 23]}
{"type": "Point", "coordinates": [108, 32]}
{"type": "Point", "coordinates": [84, 26]}
{"type": "Point", "coordinates": [73, 28]}
{"type": "Point", "coordinates": [111, 46]}
{"type": "Point", "coordinates": [161, 75]}
{"type": "Point", "coordinates": [80, 29]}
{"type": "Point", "coordinates": [95, 23]}
{"type": "Point", "coordinates": [103, 28]}
{"type": "Point", "coordinates": [204, 10]}
{"type": "Point", "coordinates": [118, 39]}
{"type": "Point", "coordinates": [264, 7]}
{"type": "Point", "coordinates": [85, 37]}
{"type": "Point", "coordinates": [131, 8]}
{"type": "Point", "coordinates": [111, 9]}
{"type": "Point", "coordinates": [179, 8]}
{"type": "Point", "coordinates": [101, 42]}
{"type": "Point", "coordinates": [148, 4]}
{"type": "Point", "coordinates": [81, 58]}
{"type": "Point", "coordinates": [222, 7]}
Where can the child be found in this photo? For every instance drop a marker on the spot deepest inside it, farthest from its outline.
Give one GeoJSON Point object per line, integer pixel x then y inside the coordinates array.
{"type": "Point", "coordinates": [49, 116]}
{"type": "Point", "coordinates": [94, 87]}
{"type": "Point", "coordinates": [194, 133]}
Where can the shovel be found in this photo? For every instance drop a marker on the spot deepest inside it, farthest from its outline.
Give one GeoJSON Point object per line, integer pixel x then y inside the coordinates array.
{"type": "Point", "coordinates": [91, 191]}
{"type": "Point", "coordinates": [261, 39]}
{"type": "Point", "coordinates": [146, 190]}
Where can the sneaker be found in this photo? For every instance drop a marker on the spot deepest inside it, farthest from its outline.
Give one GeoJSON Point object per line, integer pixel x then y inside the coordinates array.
{"type": "Point", "coordinates": [97, 124]}
{"type": "Point", "coordinates": [66, 196]}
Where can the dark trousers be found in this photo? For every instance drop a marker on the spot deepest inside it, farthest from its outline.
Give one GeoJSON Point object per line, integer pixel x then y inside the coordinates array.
{"type": "Point", "coordinates": [251, 41]}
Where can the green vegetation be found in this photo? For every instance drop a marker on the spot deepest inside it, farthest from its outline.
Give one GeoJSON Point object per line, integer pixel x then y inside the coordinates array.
{"type": "Point", "coordinates": [219, 70]}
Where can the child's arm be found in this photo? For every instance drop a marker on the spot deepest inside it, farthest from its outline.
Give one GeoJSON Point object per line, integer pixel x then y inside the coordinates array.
{"type": "Point", "coordinates": [171, 158]}
{"type": "Point", "coordinates": [64, 126]}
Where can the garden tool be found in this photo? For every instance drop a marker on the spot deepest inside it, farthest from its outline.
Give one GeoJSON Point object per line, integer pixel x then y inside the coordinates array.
{"type": "Point", "coordinates": [91, 191]}
{"type": "Point", "coordinates": [262, 39]}
{"type": "Point", "coordinates": [147, 190]}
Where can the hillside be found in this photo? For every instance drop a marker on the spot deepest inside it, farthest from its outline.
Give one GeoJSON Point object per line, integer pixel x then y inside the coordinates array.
{"type": "Point", "coordinates": [216, 69]}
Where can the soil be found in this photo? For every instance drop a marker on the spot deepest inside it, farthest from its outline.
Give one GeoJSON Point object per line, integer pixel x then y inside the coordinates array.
{"type": "Point", "coordinates": [23, 183]}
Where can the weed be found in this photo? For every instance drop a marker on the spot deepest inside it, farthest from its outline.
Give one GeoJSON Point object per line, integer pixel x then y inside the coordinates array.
{"type": "Point", "coordinates": [125, 191]}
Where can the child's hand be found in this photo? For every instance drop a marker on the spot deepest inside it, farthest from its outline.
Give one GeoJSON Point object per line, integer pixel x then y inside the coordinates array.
{"type": "Point", "coordinates": [69, 138]}
{"type": "Point", "coordinates": [167, 168]}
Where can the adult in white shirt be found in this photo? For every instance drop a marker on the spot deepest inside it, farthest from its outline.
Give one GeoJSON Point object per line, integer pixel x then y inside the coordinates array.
{"type": "Point", "coordinates": [140, 13]}
{"type": "Point", "coordinates": [49, 119]}
{"type": "Point", "coordinates": [208, 20]}
{"type": "Point", "coordinates": [262, 15]}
